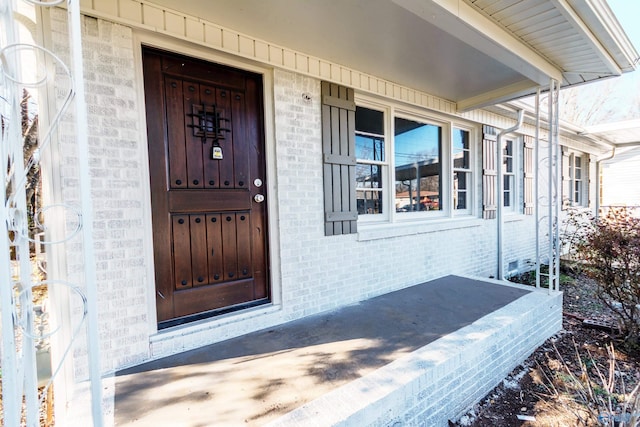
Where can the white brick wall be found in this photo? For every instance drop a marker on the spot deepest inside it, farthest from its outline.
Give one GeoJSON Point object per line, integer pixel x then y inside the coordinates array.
{"type": "Point", "coordinates": [320, 273]}
{"type": "Point", "coordinates": [117, 188]}
{"type": "Point", "coordinates": [317, 273]}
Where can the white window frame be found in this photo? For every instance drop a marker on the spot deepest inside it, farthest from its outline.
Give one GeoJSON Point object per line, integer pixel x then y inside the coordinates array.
{"type": "Point", "coordinates": [389, 215]}
{"type": "Point", "coordinates": [384, 165]}
{"type": "Point", "coordinates": [578, 186]}
{"type": "Point", "coordinates": [444, 161]}
{"type": "Point", "coordinates": [471, 171]}
{"type": "Point", "coordinates": [517, 173]}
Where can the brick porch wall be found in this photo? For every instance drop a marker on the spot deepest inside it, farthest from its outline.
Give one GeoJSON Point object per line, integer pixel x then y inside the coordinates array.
{"type": "Point", "coordinates": [441, 381]}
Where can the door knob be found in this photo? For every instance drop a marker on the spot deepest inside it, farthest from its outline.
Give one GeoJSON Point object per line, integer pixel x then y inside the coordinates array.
{"type": "Point", "coordinates": [259, 198]}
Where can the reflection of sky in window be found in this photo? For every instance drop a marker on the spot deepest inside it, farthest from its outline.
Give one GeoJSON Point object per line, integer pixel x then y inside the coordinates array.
{"type": "Point", "coordinates": [369, 148]}
{"type": "Point", "coordinates": [460, 148]}
{"type": "Point", "coordinates": [460, 141]}
{"type": "Point", "coordinates": [417, 145]}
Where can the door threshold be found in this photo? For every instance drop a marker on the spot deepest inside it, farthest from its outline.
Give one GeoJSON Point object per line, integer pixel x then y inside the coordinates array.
{"type": "Point", "coordinates": [209, 314]}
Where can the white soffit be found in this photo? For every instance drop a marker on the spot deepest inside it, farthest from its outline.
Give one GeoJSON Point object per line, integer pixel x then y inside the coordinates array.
{"type": "Point", "coordinates": [580, 37]}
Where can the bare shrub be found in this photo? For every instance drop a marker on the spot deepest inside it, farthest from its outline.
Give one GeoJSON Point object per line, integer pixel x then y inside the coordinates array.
{"type": "Point", "coordinates": [610, 247]}
{"type": "Point", "coordinates": [595, 394]}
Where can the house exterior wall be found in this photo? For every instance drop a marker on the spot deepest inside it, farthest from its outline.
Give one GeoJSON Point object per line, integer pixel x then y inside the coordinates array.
{"type": "Point", "coordinates": [119, 190]}
{"type": "Point", "coordinates": [311, 273]}
{"type": "Point", "coordinates": [619, 178]}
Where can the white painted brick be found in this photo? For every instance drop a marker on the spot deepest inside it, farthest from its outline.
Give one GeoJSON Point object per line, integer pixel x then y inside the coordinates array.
{"type": "Point", "coordinates": [111, 105]}
{"type": "Point", "coordinates": [314, 276]}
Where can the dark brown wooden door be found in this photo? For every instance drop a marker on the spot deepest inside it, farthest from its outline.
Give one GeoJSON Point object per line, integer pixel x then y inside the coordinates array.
{"type": "Point", "coordinates": [208, 192]}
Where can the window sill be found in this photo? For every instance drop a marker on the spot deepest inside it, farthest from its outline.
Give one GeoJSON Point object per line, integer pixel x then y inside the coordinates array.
{"type": "Point", "coordinates": [515, 217]}
{"type": "Point", "coordinates": [384, 231]}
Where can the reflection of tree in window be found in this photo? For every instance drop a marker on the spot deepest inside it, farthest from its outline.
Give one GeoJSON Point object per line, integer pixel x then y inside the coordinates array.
{"type": "Point", "coordinates": [418, 170]}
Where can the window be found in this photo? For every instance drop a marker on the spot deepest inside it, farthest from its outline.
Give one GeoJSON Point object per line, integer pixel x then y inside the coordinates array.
{"type": "Point", "coordinates": [574, 178]}
{"type": "Point", "coordinates": [461, 152]}
{"type": "Point", "coordinates": [511, 174]}
{"type": "Point", "coordinates": [576, 174]}
{"type": "Point", "coordinates": [418, 166]}
{"type": "Point", "coordinates": [370, 158]}
{"type": "Point", "coordinates": [409, 166]}
{"type": "Point", "coordinates": [508, 174]}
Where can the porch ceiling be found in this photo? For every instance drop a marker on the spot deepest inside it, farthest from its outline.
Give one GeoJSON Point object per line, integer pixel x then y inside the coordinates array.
{"type": "Point", "coordinates": [472, 52]}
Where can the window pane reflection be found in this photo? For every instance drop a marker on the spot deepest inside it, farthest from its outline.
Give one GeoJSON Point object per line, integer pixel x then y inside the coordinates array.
{"type": "Point", "coordinates": [369, 147]}
{"type": "Point", "coordinates": [368, 176]}
{"type": "Point", "coordinates": [461, 149]}
{"type": "Point", "coordinates": [461, 153]}
{"type": "Point", "coordinates": [418, 171]}
{"type": "Point", "coordinates": [369, 202]}
{"type": "Point", "coordinates": [460, 190]}
{"type": "Point", "coordinates": [509, 176]}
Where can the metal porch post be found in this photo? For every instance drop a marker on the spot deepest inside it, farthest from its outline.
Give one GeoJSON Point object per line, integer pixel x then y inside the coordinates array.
{"type": "Point", "coordinates": [554, 190]}
{"type": "Point", "coordinates": [81, 121]}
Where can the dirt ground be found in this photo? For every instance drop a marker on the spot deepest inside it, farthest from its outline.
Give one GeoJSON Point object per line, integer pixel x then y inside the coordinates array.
{"type": "Point", "coordinates": [546, 389]}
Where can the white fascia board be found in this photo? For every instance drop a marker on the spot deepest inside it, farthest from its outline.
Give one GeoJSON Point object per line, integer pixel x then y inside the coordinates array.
{"type": "Point", "coordinates": [607, 28]}
{"type": "Point", "coordinates": [503, 94]}
{"type": "Point", "coordinates": [473, 28]}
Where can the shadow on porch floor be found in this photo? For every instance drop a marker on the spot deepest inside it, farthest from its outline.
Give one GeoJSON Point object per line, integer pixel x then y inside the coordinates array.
{"type": "Point", "coordinates": [256, 378]}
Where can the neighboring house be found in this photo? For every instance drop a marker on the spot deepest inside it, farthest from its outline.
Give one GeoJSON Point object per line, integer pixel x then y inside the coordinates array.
{"type": "Point", "coordinates": [620, 170]}
{"type": "Point", "coordinates": [620, 176]}
{"type": "Point", "coordinates": [245, 154]}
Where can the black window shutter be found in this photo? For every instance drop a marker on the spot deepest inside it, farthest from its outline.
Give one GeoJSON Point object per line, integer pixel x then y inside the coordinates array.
{"type": "Point", "coordinates": [338, 149]}
{"type": "Point", "coordinates": [489, 172]}
{"type": "Point", "coordinates": [529, 202]}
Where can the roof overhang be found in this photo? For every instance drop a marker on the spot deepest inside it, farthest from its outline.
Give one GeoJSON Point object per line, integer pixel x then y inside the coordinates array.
{"type": "Point", "coordinates": [620, 134]}
{"type": "Point", "coordinates": [472, 52]}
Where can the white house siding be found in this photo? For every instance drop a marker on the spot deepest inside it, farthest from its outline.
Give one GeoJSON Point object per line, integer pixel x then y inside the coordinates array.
{"type": "Point", "coordinates": [620, 179]}
{"type": "Point", "coordinates": [313, 273]}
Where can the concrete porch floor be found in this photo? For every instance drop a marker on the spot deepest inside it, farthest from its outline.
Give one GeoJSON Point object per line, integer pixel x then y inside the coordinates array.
{"type": "Point", "coordinates": [258, 378]}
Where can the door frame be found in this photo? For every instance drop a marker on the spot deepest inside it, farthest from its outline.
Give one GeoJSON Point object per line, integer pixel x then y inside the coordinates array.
{"type": "Point", "coordinates": [144, 38]}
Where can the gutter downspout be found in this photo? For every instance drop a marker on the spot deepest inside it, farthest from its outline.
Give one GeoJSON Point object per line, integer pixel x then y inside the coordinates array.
{"type": "Point", "coordinates": [500, 191]}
